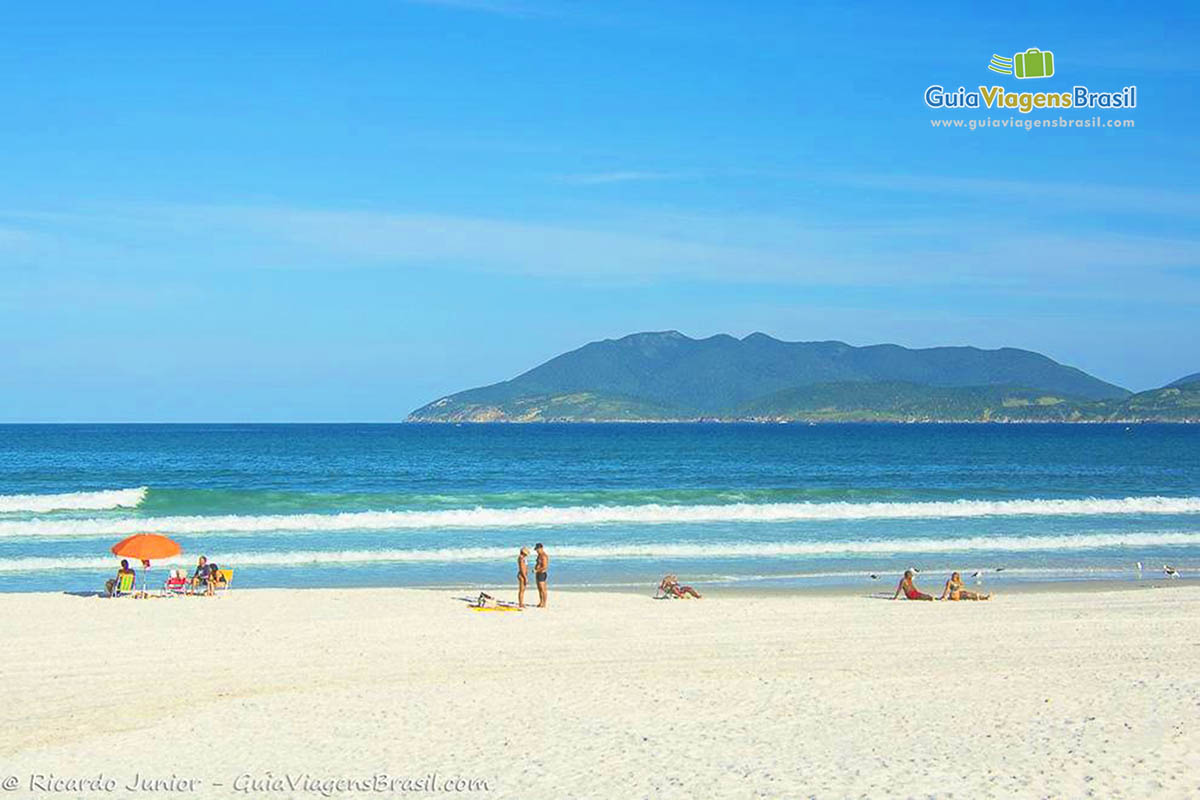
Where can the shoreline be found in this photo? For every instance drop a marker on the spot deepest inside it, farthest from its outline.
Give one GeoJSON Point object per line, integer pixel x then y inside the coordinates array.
{"type": "Point", "coordinates": [1013, 581]}
{"type": "Point", "coordinates": [1021, 587]}
{"type": "Point", "coordinates": [875, 591]}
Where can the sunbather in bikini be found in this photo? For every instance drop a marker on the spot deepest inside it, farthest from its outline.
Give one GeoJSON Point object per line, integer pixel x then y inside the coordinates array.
{"type": "Point", "coordinates": [522, 575]}
{"type": "Point", "coordinates": [954, 590]}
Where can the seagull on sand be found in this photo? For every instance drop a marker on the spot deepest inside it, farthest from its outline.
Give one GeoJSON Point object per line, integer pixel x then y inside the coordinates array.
{"type": "Point", "coordinates": [1170, 572]}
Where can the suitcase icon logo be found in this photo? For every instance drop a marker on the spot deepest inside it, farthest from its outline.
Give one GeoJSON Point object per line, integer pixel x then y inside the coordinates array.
{"type": "Point", "coordinates": [1033, 63]}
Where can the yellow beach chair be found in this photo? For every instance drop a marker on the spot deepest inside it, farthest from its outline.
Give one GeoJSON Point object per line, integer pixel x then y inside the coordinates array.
{"type": "Point", "coordinates": [224, 580]}
{"type": "Point", "coordinates": [125, 584]}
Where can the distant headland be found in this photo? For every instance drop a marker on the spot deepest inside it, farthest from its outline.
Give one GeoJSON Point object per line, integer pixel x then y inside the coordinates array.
{"type": "Point", "coordinates": [669, 377]}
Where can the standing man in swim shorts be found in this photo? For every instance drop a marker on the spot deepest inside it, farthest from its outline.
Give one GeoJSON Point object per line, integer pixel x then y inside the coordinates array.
{"type": "Point", "coordinates": [522, 575]}
{"type": "Point", "coordinates": [539, 573]}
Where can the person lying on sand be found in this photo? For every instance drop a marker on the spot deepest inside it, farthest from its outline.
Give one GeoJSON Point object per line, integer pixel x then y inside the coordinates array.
{"type": "Point", "coordinates": [670, 586]}
{"type": "Point", "coordinates": [954, 590]}
{"type": "Point", "coordinates": [910, 589]}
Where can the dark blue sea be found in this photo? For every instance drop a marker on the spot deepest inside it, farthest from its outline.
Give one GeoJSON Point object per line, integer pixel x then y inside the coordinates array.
{"type": "Point", "coordinates": [770, 506]}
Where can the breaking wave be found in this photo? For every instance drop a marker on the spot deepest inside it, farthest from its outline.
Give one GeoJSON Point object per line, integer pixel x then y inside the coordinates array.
{"type": "Point", "coordinates": [547, 516]}
{"type": "Point", "coordinates": [73, 501]}
{"type": "Point", "coordinates": [681, 550]}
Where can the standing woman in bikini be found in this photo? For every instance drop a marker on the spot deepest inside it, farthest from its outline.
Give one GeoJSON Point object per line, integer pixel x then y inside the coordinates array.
{"type": "Point", "coordinates": [522, 576]}
{"type": "Point", "coordinates": [910, 589]}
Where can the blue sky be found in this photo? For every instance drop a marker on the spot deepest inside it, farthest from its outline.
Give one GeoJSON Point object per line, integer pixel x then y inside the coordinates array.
{"type": "Point", "coordinates": [313, 211]}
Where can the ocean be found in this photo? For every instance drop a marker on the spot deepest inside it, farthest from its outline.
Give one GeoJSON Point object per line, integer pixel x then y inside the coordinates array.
{"type": "Point", "coordinates": [758, 506]}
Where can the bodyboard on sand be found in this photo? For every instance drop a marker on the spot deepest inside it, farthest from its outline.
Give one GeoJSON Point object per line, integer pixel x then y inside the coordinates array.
{"type": "Point", "coordinates": [494, 608]}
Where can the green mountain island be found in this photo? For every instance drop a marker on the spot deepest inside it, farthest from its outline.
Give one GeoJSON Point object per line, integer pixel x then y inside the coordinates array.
{"type": "Point", "coordinates": [660, 377]}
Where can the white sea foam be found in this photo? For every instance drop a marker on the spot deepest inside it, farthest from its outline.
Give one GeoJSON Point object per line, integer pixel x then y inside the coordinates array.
{"type": "Point", "coordinates": [666, 550]}
{"type": "Point", "coordinates": [548, 516]}
{"type": "Point", "coordinates": [73, 501]}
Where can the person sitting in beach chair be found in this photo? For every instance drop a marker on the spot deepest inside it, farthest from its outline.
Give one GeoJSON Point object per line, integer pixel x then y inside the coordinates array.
{"type": "Point", "coordinates": [215, 579]}
{"type": "Point", "coordinates": [909, 588]}
{"type": "Point", "coordinates": [123, 583]}
{"type": "Point", "coordinates": [201, 578]}
{"type": "Point", "coordinates": [954, 590]}
{"type": "Point", "coordinates": [219, 578]}
{"type": "Point", "coordinates": [669, 587]}
{"type": "Point", "coordinates": [176, 583]}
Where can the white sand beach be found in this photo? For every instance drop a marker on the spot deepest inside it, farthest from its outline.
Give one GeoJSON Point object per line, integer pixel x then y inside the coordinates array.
{"type": "Point", "coordinates": [1057, 694]}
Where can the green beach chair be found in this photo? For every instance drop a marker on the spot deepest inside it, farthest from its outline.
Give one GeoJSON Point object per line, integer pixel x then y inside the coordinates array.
{"type": "Point", "coordinates": [125, 584]}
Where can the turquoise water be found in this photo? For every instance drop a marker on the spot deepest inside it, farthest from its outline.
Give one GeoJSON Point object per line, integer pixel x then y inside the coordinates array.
{"type": "Point", "coordinates": [616, 505]}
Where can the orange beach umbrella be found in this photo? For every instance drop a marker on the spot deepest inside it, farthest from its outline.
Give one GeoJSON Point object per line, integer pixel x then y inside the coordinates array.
{"type": "Point", "coordinates": [146, 546]}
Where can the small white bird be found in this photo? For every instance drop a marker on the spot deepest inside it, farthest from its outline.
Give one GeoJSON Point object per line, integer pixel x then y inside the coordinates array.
{"type": "Point", "coordinates": [1139, 566]}
{"type": "Point", "coordinates": [1170, 572]}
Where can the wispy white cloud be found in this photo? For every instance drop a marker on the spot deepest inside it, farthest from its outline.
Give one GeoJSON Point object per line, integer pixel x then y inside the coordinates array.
{"type": "Point", "coordinates": [491, 6]}
{"type": "Point", "coordinates": [635, 250]}
{"type": "Point", "coordinates": [625, 176]}
{"type": "Point", "coordinates": [1117, 55]}
{"type": "Point", "coordinates": [507, 8]}
{"type": "Point", "coordinates": [490, 245]}
{"type": "Point", "coordinates": [711, 173]}
{"type": "Point", "coordinates": [12, 238]}
{"type": "Point", "coordinates": [1073, 196]}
